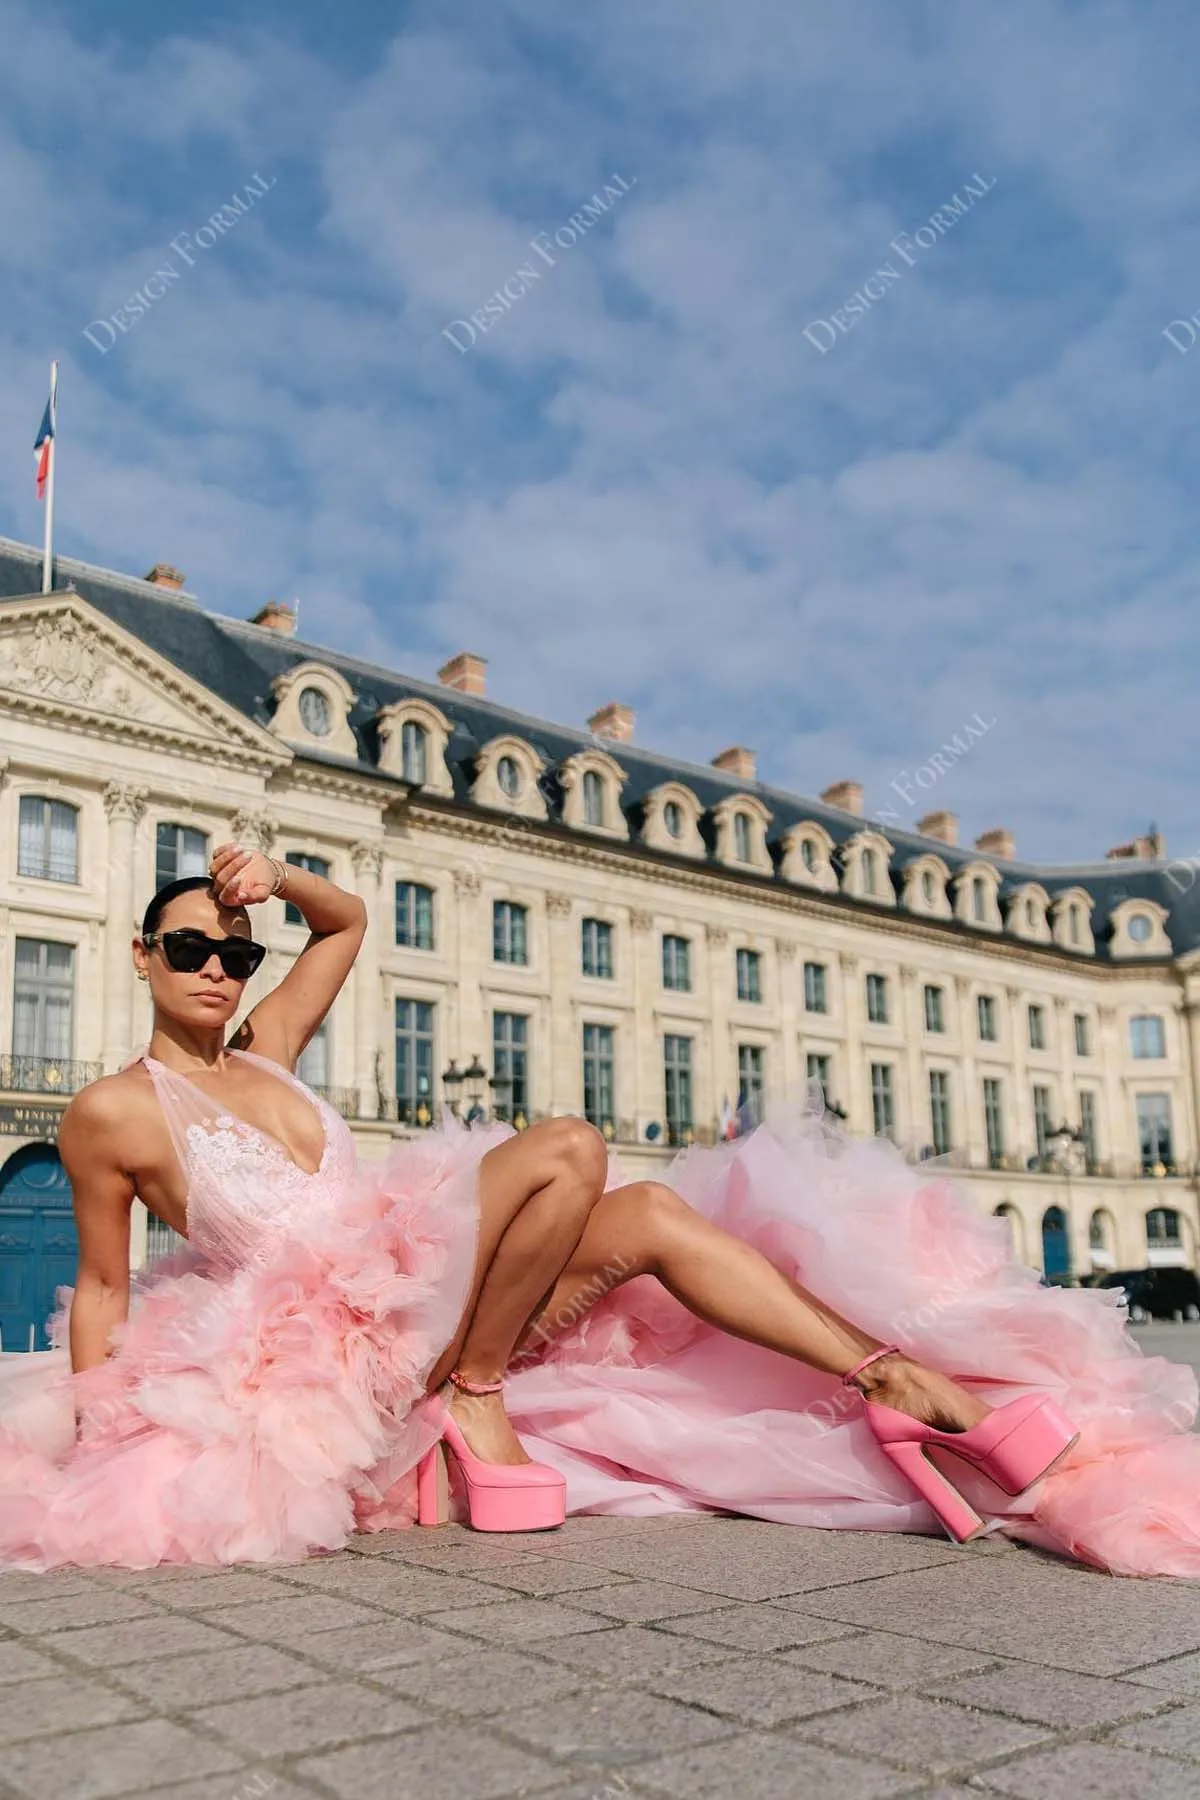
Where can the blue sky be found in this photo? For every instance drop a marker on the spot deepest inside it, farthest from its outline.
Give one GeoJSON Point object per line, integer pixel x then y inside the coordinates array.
{"type": "Point", "coordinates": [645, 482]}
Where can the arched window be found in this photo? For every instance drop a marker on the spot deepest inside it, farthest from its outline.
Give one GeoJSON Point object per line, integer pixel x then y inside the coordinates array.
{"type": "Point", "coordinates": [593, 798]}
{"type": "Point", "coordinates": [808, 854]}
{"type": "Point", "coordinates": [316, 714]}
{"type": "Point", "coordinates": [1162, 1226]}
{"type": "Point", "coordinates": [1029, 914]}
{"type": "Point", "coordinates": [48, 839]}
{"type": "Point", "coordinates": [1098, 1231]}
{"type": "Point", "coordinates": [927, 885]}
{"type": "Point", "coordinates": [508, 775]}
{"type": "Point", "coordinates": [741, 837]}
{"type": "Point", "coordinates": [870, 872]}
{"type": "Point", "coordinates": [414, 741]}
{"type": "Point", "coordinates": [1073, 924]}
{"type": "Point", "coordinates": [673, 818]}
{"type": "Point", "coordinates": [979, 897]}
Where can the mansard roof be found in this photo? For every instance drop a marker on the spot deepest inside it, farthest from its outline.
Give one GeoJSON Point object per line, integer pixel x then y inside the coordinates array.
{"type": "Point", "coordinates": [239, 661]}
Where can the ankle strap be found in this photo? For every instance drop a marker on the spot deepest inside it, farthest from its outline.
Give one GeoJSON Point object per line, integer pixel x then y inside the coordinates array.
{"type": "Point", "coordinates": [475, 1387]}
{"type": "Point", "coordinates": [848, 1377]}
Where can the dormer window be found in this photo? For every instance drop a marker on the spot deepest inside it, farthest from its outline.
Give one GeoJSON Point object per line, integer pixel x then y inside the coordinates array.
{"type": "Point", "coordinates": [870, 872]}
{"type": "Point", "coordinates": [741, 837]}
{"type": "Point", "coordinates": [1030, 913]}
{"type": "Point", "coordinates": [593, 798]}
{"type": "Point", "coordinates": [978, 897]}
{"type": "Point", "coordinates": [508, 777]}
{"type": "Point", "coordinates": [927, 887]}
{"type": "Point", "coordinates": [591, 782]}
{"type": "Point", "coordinates": [1073, 926]}
{"type": "Point", "coordinates": [414, 746]}
{"type": "Point", "coordinates": [808, 855]}
{"type": "Point", "coordinates": [1140, 928]}
{"type": "Point", "coordinates": [316, 714]}
{"type": "Point", "coordinates": [673, 819]}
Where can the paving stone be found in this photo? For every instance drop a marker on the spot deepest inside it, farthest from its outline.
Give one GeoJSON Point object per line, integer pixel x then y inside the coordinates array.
{"type": "Point", "coordinates": [30, 1709]}
{"type": "Point", "coordinates": [930, 1735]}
{"type": "Point", "coordinates": [1177, 1733]}
{"type": "Point", "coordinates": [1035, 1609]}
{"type": "Point", "coordinates": [1099, 1771]}
{"type": "Point", "coordinates": [518, 1621]}
{"type": "Point", "coordinates": [613, 1728]}
{"type": "Point", "coordinates": [242, 1784]}
{"type": "Point", "coordinates": [18, 1662]}
{"type": "Point", "coordinates": [235, 1588]}
{"type": "Point", "coordinates": [759, 1690]}
{"type": "Point", "coordinates": [294, 1620]}
{"type": "Point", "coordinates": [759, 1627]}
{"type": "Point", "coordinates": [391, 1587]}
{"type": "Point", "coordinates": [774, 1767]}
{"type": "Point", "coordinates": [310, 1718]}
{"type": "Point", "coordinates": [27, 1584]}
{"type": "Point", "coordinates": [90, 1606]}
{"type": "Point", "coordinates": [1050, 1696]}
{"type": "Point", "coordinates": [632, 1652]}
{"type": "Point", "coordinates": [237, 1672]}
{"type": "Point", "coordinates": [639, 1602]}
{"type": "Point", "coordinates": [890, 1661]}
{"type": "Point", "coordinates": [94, 1765]}
{"type": "Point", "coordinates": [442, 1762]}
{"type": "Point", "coordinates": [539, 1575]}
{"type": "Point", "coordinates": [108, 1646]}
{"type": "Point", "coordinates": [1179, 1674]}
{"type": "Point", "coordinates": [383, 1644]}
{"type": "Point", "coordinates": [478, 1683]}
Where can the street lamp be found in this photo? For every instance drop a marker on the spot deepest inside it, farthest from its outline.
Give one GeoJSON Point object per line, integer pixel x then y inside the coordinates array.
{"type": "Point", "coordinates": [502, 1088]}
{"type": "Point", "coordinates": [452, 1080]}
{"type": "Point", "coordinates": [475, 1075]}
{"type": "Point", "coordinates": [1063, 1146]}
{"type": "Point", "coordinates": [835, 1111]}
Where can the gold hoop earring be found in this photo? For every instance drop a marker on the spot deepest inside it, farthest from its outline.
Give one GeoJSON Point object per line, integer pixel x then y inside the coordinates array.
{"type": "Point", "coordinates": [143, 975]}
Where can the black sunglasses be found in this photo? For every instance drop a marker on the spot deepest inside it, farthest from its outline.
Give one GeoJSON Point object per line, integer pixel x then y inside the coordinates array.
{"type": "Point", "coordinates": [187, 952]}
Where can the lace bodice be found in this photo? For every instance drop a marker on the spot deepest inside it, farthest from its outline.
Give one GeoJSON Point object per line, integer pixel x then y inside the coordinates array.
{"type": "Point", "coordinates": [244, 1191]}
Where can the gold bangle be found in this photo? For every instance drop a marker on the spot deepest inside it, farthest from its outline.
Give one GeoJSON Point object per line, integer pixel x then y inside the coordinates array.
{"type": "Point", "coordinates": [281, 875]}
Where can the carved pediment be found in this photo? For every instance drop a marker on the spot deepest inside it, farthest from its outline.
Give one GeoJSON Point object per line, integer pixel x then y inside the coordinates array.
{"type": "Point", "coordinates": [62, 658]}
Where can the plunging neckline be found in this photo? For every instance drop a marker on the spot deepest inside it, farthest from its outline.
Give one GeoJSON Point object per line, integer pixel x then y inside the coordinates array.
{"type": "Point", "coordinates": [275, 1143]}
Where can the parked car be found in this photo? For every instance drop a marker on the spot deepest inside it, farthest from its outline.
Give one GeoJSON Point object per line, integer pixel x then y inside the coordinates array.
{"type": "Point", "coordinates": [1157, 1293]}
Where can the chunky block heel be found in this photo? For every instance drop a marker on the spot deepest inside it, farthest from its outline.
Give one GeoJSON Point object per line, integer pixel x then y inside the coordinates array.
{"type": "Point", "coordinates": [956, 1514]}
{"type": "Point", "coordinates": [500, 1496]}
{"type": "Point", "coordinates": [433, 1488]}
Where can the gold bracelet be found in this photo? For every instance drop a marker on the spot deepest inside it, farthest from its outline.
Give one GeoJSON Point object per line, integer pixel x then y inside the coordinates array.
{"type": "Point", "coordinates": [281, 875]}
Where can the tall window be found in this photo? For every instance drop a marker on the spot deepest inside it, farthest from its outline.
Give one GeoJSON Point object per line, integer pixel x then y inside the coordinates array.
{"type": "Point", "coordinates": [1037, 1028]}
{"type": "Point", "coordinates": [979, 897]}
{"type": "Point", "coordinates": [877, 999]}
{"type": "Point", "coordinates": [749, 975]}
{"type": "Point", "coordinates": [752, 1082]}
{"type": "Point", "coordinates": [677, 1075]}
{"type": "Point", "coordinates": [1154, 1130]}
{"type": "Point", "coordinates": [1041, 1119]}
{"type": "Point", "coordinates": [48, 839]}
{"type": "Point", "coordinates": [883, 1110]}
{"type": "Point", "coordinates": [741, 837]}
{"type": "Point", "coordinates": [414, 745]}
{"type": "Point", "coordinates": [934, 1015]}
{"type": "Point", "coordinates": [993, 1118]}
{"type": "Point", "coordinates": [179, 852]}
{"type": "Point", "coordinates": [43, 996]}
{"type": "Point", "coordinates": [1087, 1124]}
{"type": "Point", "coordinates": [986, 1007]}
{"type": "Point", "coordinates": [599, 1082]}
{"type": "Point", "coordinates": [414, 916]}
{"type": "Point", "coordinates": [316, 865]}
{"type": "Point", "coordinates": [593, 798]}
{"type": "Point", "coordinates": [939, 1110]}
{"type": "Point", "coordinates": [312, 1066]}
{"type": "Point", "coordinates": [1147, 1038]}
{"type": "Point", "coordinates": [870, 872]}
{"type": "Point", "coordinates": [814, 988]}
{"type": "Point", "coordinates": [414, 1062]}
{"type": "Point", "coordinates": [1083, 1040]}
{"type": "Point", "coordinates": [508, 932]}
{"type": "Point", "coordinates": [677, 964]}
{"type": "Point", "coordinates": [510, 1057]}
{"type": "Point", "coordinates": [818, 1067]}
{"type": "Point", "coordinates": [1162, 1227]}
{"type": "Point", "coordinates": [596, 948]}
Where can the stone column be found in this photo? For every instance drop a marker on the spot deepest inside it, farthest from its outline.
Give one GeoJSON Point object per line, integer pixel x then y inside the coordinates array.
{"type": "Point", "coordinates": [723, 1054]}
{"type": "Point", "coordinates": [969, 1127]}
{"type": "Point", "coordinates": [368, 998]}
{"type": "Point", "coordinates": [467, 1033]}
{"type": "Point", "coordinates": [124, 805]}
{"type": "Point", "coordinates": [917, 1130]}
{"type": "Point", "coordinates": [1021, 1105]}
{"type": "Point", "coordinates": [851, 1089]}
{"type": "Point", "coordinates": [563, 1092]}
{"type": "Point", "coordinates": [645, 1096]}
{"type": "Point", "coordinates": [790, 1069]}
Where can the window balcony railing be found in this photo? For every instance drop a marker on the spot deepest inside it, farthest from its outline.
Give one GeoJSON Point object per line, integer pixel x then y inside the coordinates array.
{"type": "Point", "coordinates": [46, 1074]}
{"type": "Point", "coordinates": [342, 1099]}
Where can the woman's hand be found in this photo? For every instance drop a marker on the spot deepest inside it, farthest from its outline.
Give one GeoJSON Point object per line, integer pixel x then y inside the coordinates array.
{"type": "Point", "coordinates": [242, 877]}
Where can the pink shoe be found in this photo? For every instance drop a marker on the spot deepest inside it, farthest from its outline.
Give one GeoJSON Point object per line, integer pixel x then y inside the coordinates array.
{"type": "Point", "coordinates": [500, 1496]}
{"type": "Point", "coordinates": [1014, 1446]}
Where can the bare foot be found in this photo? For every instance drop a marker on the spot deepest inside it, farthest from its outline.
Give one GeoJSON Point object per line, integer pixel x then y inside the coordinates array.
{"type": "Point", "coordinates": [486, 1426]}
{"type": "Point", "coordinates": [922, 1393]}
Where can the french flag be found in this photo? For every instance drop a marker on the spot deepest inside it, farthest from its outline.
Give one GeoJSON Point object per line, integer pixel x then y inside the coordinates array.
{"type": "Point", "coordinates": [44, 442]}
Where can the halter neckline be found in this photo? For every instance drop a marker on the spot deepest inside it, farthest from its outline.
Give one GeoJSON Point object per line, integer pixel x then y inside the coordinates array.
{"type": "Point", "coordinates": [314, 1102]}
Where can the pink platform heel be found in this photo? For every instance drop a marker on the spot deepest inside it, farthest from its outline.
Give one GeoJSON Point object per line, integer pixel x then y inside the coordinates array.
{"type": "Point", "coordinates": [1014, 1446]}
{"type": "Point", "coordinates": [500, 1496]}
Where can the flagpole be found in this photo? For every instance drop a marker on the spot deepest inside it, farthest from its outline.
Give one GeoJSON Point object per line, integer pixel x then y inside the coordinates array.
{"type": "Point", "coordinates": [48, 548]}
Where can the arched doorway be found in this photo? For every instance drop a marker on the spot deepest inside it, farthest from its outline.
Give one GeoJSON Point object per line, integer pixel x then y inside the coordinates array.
{"type": "Point", "coordinates": [1102, 1240]}
{"type": "Point", "coordinates": [1056, 1247]}
{"type": "Point", "coordinates": [38, 1244]}
{"type": "Point", "coordinates": [1016, 1232]}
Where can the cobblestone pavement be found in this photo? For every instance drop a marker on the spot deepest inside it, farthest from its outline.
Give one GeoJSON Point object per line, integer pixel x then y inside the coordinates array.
{"type": "Point", "coordinates": [615, 1658]}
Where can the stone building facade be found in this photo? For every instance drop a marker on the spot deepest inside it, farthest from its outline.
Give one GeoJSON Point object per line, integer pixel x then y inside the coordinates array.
{"type": "Point", "coordinates": [662, 946]}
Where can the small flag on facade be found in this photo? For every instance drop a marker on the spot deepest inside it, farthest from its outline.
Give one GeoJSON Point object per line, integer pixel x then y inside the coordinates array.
{"type": "Point", "coordinates": [43, 444]}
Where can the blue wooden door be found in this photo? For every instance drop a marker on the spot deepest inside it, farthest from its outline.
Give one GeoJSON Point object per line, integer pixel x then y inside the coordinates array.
{"type": "Point", "coordinates": [38, 1244]}
{"type": "Point", "coordinates": [1056, 1248]}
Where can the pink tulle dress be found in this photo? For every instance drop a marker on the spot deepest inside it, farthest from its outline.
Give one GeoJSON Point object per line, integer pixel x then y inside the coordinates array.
{"type": "Point", "coordinates": [267, 1396]}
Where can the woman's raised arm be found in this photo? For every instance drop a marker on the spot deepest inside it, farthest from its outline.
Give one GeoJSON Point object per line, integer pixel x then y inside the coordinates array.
{"type": "Point", "coordinates": [285, 1019]}
{"type": "Point", "coordinates": [103, 1194]}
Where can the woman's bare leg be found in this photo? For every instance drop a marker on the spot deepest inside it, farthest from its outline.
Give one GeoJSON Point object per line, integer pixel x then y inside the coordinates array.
{"type": "Point", "coordinates": [536, 1192]}
{"type": "Point", "coordinates": [646, 1229]}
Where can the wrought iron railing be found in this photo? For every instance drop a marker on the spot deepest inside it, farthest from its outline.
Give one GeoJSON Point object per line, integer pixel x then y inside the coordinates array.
{"type": "Point", "coordinates": [343, 1099]}
{"type": "Point", "coordinates": [46, 1074]}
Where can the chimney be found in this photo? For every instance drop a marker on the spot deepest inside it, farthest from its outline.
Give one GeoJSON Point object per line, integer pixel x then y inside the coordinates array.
{"type": "Point", "coordinates": [465, 672]}
{"type": "Point", "coordinates": [164, 576]}
{"type": "Point", "coordinates": [845, 795]}
{"type": "Point", "coordinates": [613, 721]}
{"type": "Point", "coordinates": [940, 825]}
{"type": "Point", "coordinates": [737, 760]}
{"type": "Point", "coordinates": [278, 616]}
{"type": "Point", "coordinates": [999, 843]}
{"type": "Point", "coordinates": [1151, 848]}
